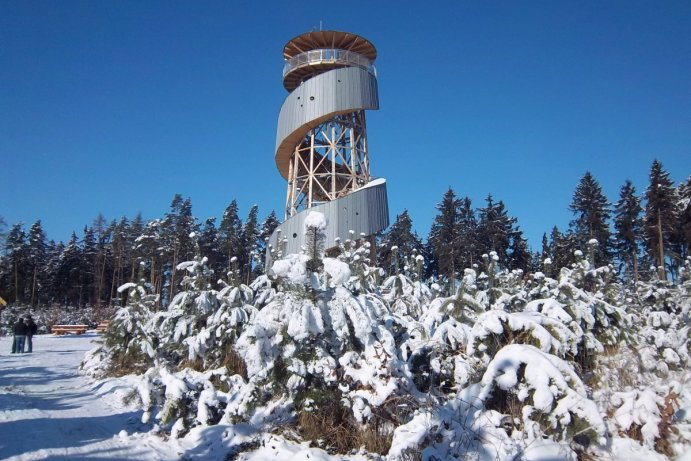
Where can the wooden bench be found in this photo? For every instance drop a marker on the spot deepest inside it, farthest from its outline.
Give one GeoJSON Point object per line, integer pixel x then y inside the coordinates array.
{"type": "Point", "coordinates": [68, 329]}
{"type": "Point", "coordinates": [102, 327]}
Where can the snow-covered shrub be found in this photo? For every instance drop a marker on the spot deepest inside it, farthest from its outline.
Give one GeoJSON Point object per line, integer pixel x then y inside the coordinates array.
{"type": "Point", "coordinates": [130, 343]}
{"type": "Point", "coordinates": [405, 296]}
{"type": "Point", "coordinates": [178, 401]}
{"type": "Point", "coordinates": [550, 397]}
{"type": "Point", "coordinates": [179, 327]}
{"type": "Point", "coordinates": [495, 329]}
{"type": "Point", "coordinates": [214, 343]}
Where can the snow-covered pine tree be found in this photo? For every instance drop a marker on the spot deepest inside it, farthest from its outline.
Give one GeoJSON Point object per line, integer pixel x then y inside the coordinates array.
{"type": "Point", "coordinates": [186, 316]}
{"type": "Point", "coordinates": [149, 248]}
{"type": "Point", "coordinates": [130, 343]}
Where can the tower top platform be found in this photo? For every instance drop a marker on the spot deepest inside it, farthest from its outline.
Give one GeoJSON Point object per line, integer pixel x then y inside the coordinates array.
{"type": "Point", "coordinates": [329, 39]}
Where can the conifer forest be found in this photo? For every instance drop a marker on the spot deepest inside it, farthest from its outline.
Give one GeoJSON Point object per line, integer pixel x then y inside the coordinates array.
{"type": "Point", "coordinates": [462, 344]}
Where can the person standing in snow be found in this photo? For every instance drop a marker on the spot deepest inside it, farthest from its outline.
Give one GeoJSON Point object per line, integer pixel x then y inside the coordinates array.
{"type": "Point", "coordinates": [31, 329]}
{"type": "Point", "coordinates": [20, 329]}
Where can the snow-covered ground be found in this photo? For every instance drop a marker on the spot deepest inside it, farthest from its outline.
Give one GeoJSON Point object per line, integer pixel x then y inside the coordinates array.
{"type": "Point", "coordinates": [50, 411]}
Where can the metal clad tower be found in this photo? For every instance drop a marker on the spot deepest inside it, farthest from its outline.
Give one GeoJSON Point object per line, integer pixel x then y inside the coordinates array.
{"type": "Point", "coordinates": [321, 141]}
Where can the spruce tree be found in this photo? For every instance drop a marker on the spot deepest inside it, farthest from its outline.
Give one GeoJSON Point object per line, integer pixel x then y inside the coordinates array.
{"type": "Point", "coordinates": [562, 247]}
{"type": "Point", "coordinates": [209, 246]}
{"type": "Point", "coordinates": [683, 234]}
{"type": "Point", "coordinates": [399, 244]}
{"type": "Point", "coordinates": [495, 228]}
{"type": "Point", "coordinates": [660, 217]}
{"type": "Point", "coordinates": [444, 238]}
{"type": "Point", "coordinates": [230, 232]}
{"type": "Point", "coordinates": [249, 239]}
{"type": "Point", "coordinates": [179, 228]}
{"type": "Point", "coordinates": [519, 255]}
{"type": "Point", "coordinates": [591, 210]}
{"type": "Point", "coordinates": [69, 272]}
{"type": "Point", "coordinates": [628, 226]}
{"type": "Point", "coordinates": [267, 229]}
{"type": "Point", "coordinates": [15, 248]}
{"type": "Point", "coordinates": [36, 256]}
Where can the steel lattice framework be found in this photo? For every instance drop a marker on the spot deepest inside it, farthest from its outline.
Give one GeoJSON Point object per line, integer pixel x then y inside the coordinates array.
{"type": "Point", "coordinates": [330, 162]}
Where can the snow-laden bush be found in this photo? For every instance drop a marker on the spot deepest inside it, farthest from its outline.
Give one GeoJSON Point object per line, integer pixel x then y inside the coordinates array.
{"type": "Point", "coordinates": [405, 296]}
{"type": "Point", "coordinates": [129, 341]}
{"type": "Point", "coordinates": [495, 329]}
{"type": "Point", "coordinates": [551, 398]}
{"type": "Point", "coordinates": [214, 343]}
{"type": "Point", "coordinates": [179, 326]}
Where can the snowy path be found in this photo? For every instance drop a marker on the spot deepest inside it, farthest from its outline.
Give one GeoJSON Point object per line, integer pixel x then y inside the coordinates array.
{"type": "Point", "coordinates": [49, 411]}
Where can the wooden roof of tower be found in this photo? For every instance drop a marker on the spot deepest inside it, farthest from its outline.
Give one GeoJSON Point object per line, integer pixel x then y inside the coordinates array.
{"type": "Point", "coordinates": [329, 39]}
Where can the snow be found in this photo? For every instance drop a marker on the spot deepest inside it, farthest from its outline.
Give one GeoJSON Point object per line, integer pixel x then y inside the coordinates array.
{"type": "Point", "coordinates": [338, 271]}
{"type": "Point", "coordinates": [49, 411]}
{"type": "Point", "coordinates": [316, 220]}
{"type": "Point", "coordinates": [292, 268]}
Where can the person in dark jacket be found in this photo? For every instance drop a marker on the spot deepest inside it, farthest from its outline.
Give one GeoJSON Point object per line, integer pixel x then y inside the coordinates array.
{"type": "Point", "coordinates": [31, 329]}
{"type": "Point", "coordinates": [20, 329]}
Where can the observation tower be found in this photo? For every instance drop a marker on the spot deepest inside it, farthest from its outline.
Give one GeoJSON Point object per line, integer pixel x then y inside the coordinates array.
{"type": "Point", "coordinates": [321, 140]}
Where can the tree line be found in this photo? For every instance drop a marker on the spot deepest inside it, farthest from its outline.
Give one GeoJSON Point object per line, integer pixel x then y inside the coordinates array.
{"type": "Point", "coordinates": [633, 234]}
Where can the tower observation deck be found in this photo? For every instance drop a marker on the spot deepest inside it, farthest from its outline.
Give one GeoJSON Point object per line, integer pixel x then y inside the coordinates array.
{"type": "Point", "coordinates": [321, 140]}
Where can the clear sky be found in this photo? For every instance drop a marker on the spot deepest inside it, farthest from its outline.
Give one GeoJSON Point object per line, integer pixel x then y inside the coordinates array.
{"type": "Point", "coordinates": [113, 107]}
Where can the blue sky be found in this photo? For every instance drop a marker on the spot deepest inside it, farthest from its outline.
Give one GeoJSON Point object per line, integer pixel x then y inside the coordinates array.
{"type": "Point", "coordinates": [113, 107]}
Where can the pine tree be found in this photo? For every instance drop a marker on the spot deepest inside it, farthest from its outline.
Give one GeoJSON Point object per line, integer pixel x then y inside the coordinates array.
{"type": "Point", "coordinates": [684, 220]}
{"type": "Point", "coordinates": [267, 229]}
{"type": "Point", "coordinates": [68, 278]}
{"type": "Point", "coordinates": [628, 225]}
{"type": "Point", "coordinates": [3, 229]}
{"type": "Point", "coordinates": [36, 256]}
{"type": "Point", "coordinates": [445, 236]}
{"type": "Point", "coordinates": [399, 245]}
{"type": "Point", "coordinates": [179, 228]}
{"type": "Point", "coordinates": [495, 228]}
{"type": "Point", "coordinates": [230, 232]}
{"type": "Point", "coordinates": [562, 247]}
{"type": "Point", "coordinates": [102, 258]}
{"type": "Point", "coordinates": [249, 242]}
{"type": "Point", "coordinates": [149, 250]}
{"type": "Point", "coordinates": [591, 209]}
{"type": "Point", "coordinates": [519, 255]}
{"type": "Point", "coordinates": [15, 251]}
{"type": "Point", "coordinates": [88, 270]}
{"type": "Point", "coordinates": [119, 248]}
{"type": "Point", "coordinates": [209, 246]}
{"type": "Point", "coordinates": [660, 217]}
